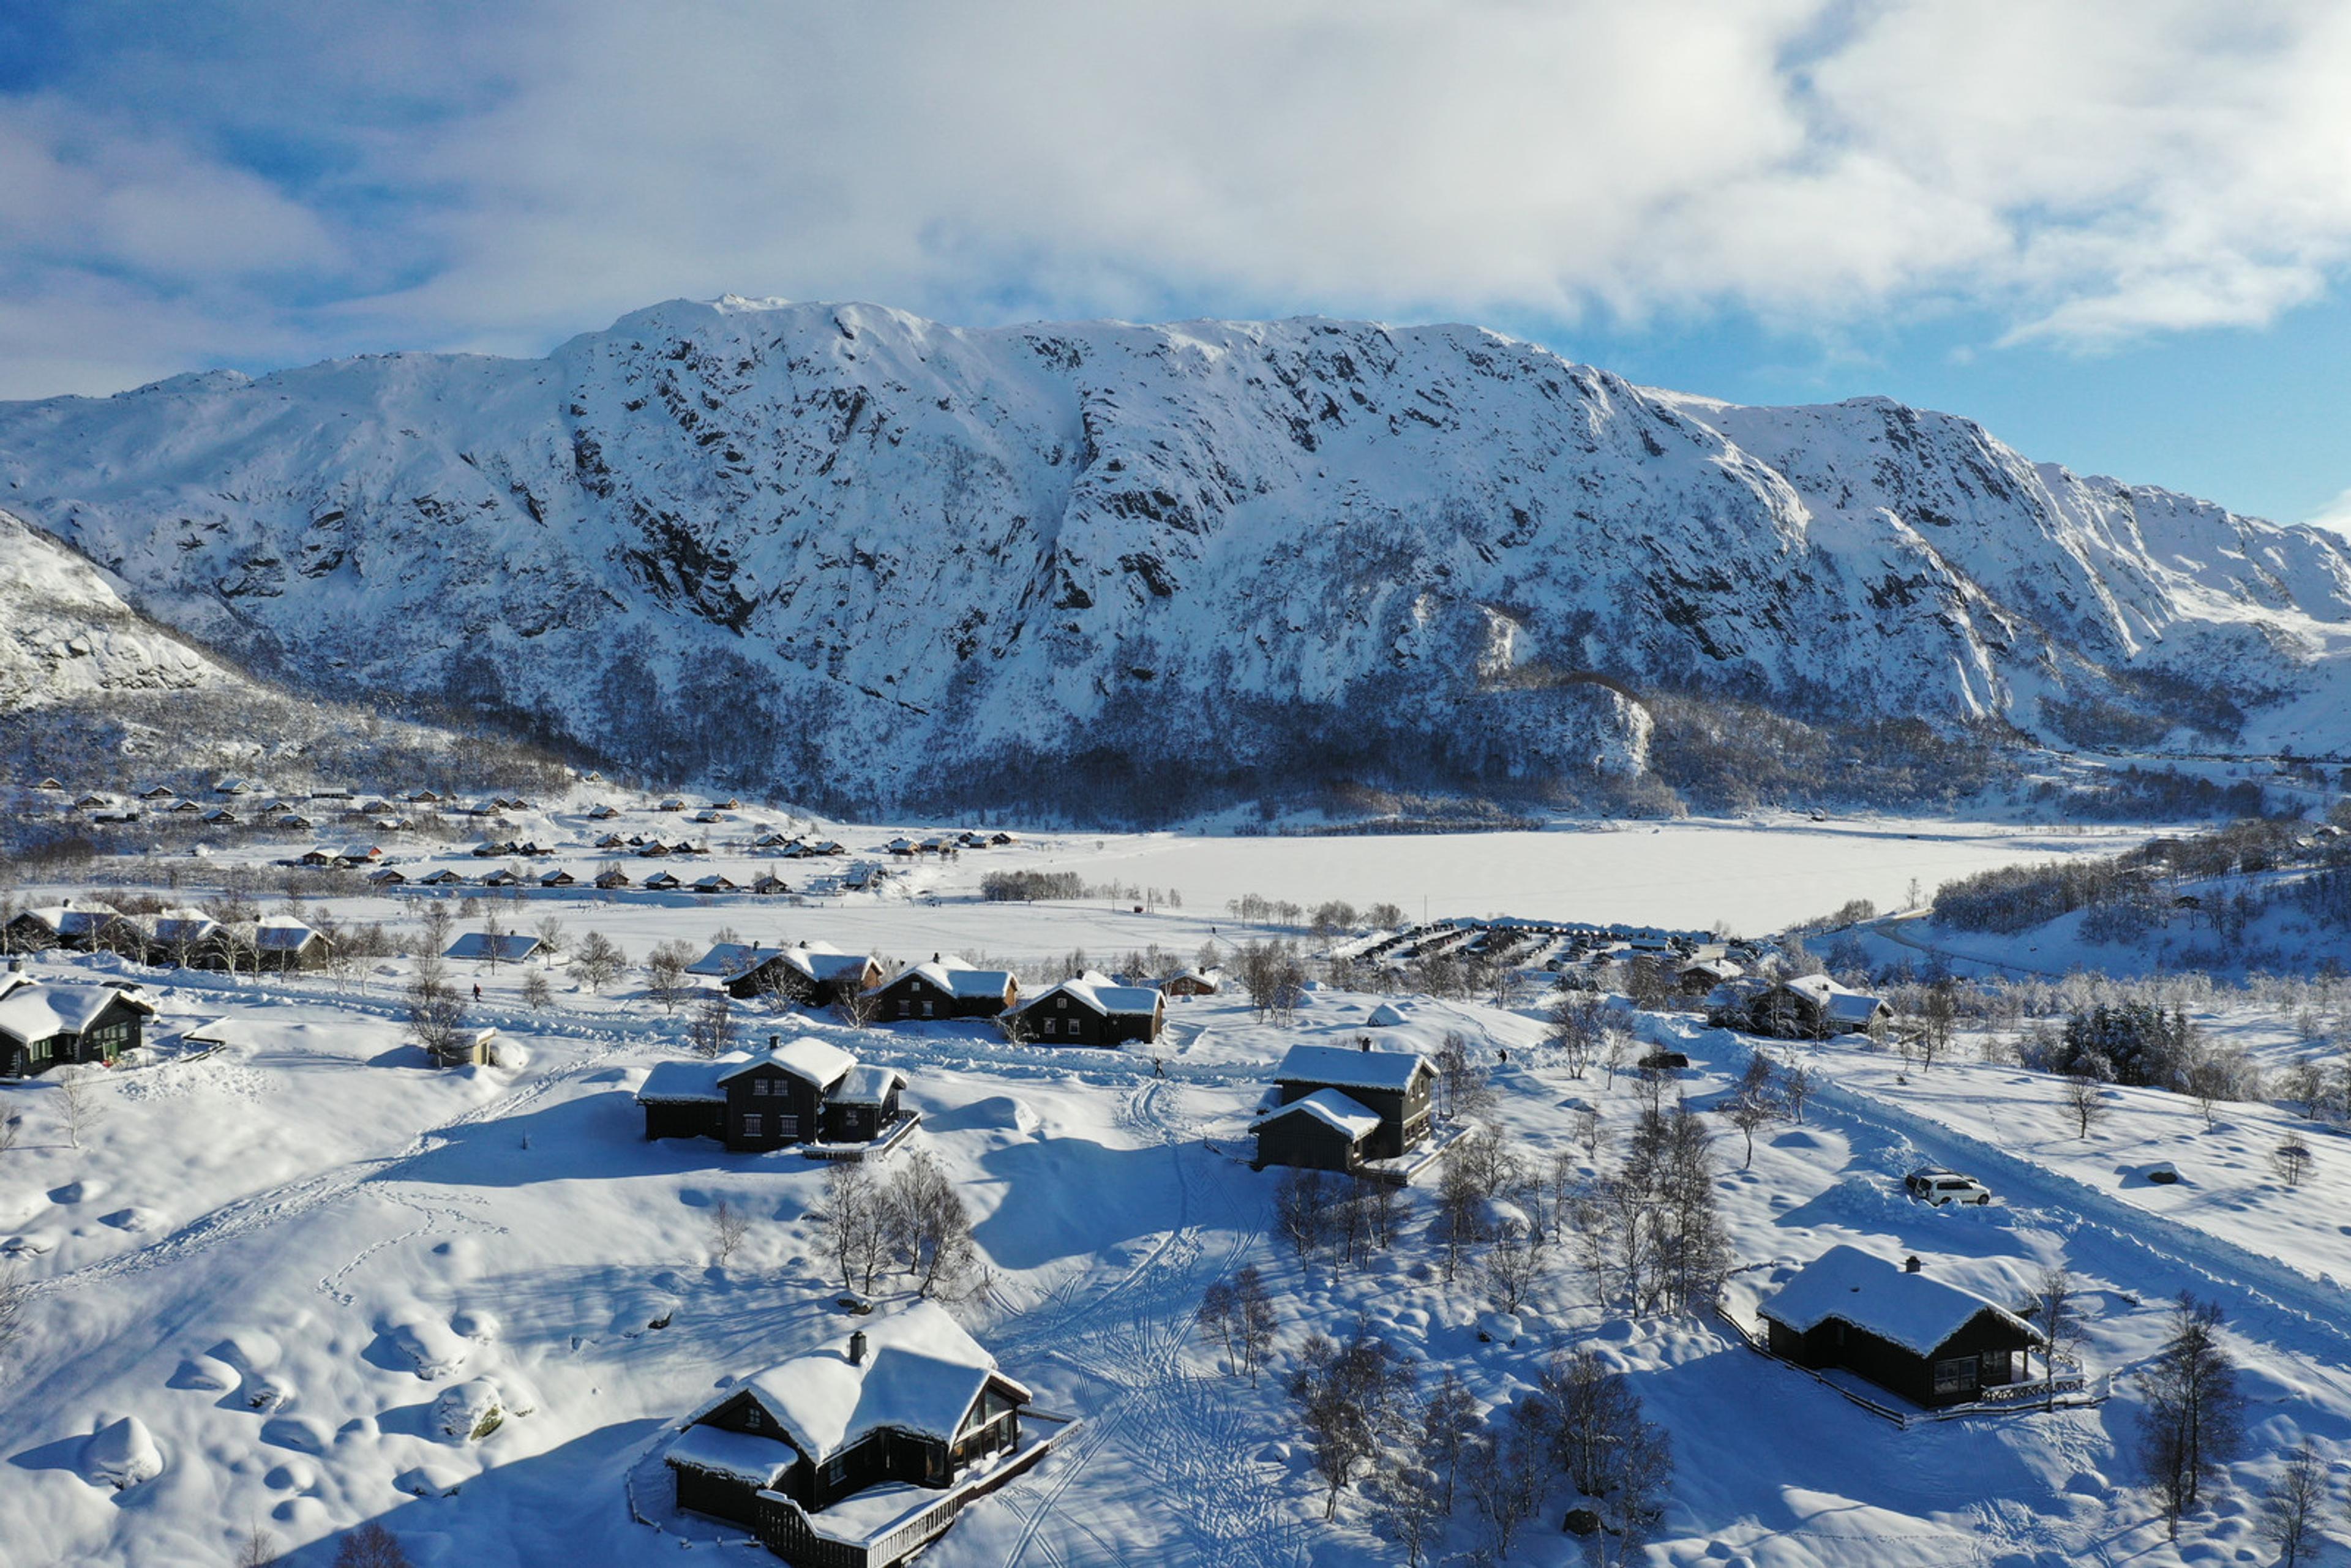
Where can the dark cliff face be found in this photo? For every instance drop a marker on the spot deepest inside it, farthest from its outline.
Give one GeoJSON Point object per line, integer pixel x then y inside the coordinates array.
{"type": "Point", "coordinates": [860, 556]}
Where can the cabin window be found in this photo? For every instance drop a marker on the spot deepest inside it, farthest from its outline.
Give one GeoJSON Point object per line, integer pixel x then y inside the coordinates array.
{"type": "Point", "coordinates": [928, 1009]}
{"type": "Point", "coordinates": [1063, 1003]}
{"type": "Point", "coordinates": [788, 1126]}
{"type": "Point", "coordinates": [751, 1125]}
{"type": "Point", "coordinates": [1049, 1024]}
{"type": "Point", "coordinates": [906, 1008]}
{"type": "Point", "coordinates": [1955, 1376]}
{"type": "Point", "coordinates": [759, 1087]}
{"type": "Point", "coordinates": [751, 1417]}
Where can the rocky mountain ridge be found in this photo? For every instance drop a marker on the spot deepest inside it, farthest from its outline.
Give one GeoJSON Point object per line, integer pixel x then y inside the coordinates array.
{"type": "Point", "coordinates": [866, 559]}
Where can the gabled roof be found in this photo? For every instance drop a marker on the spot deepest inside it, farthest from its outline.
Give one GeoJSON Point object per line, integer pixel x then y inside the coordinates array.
{"type": "Point", "coordinates": [823, 961]}
{"type": "Point", "coordinates": [807, 1057]}
{"type": "Point", "coordinates": [958, 978]}
{"type": "Point", "coordinates": [921, 1373]}
{"type": "Point", "coordinates": [1841, 1003]}
{"type": "Point", "coordinates": [30, 1010]}
{"type": "Point", "coordinates": [726, 959]}
{"type": "Point", "coordinates": [1913, 1311]}
{"type": "Point", "coordinates": [1100, 994]}
{"type": "Point", "coordinates": [186, 927]}
{"type": "Point", "coordinates": [1389, 1069]}
{"type": "Point", "coordinates": [1333, 1110]}
{"type": "Point", "coordinates": [678, 1082]}
{"type": "Point", "coordinates": [75, 920]}
{"type": "Point", "coordinates": [512, 946]}
{"type": "Point", "coordinates": [866, 1084]}
{"type": "Point", "coordinates": [283, 936]}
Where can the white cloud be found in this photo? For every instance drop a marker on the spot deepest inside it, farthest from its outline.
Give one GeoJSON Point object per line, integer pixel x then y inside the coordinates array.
{"type": "Point", "coordinates": [2336, 514]}
{"type": "Point", "coordinates": [2089, 170]}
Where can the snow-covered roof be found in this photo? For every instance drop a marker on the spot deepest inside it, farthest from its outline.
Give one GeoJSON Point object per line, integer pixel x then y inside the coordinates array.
{"type": "Point", "coordinates": [75, 920]}
{"type": "Point", "coordinates": [958, 978]}
{"type": "Point", "coordinates": [1389, 1069]}
{"type": "Point", "coordinates": [726, 959]}
{"type": "Point", "coordinates": [1103, 995]}
{"type": "Point", "coordinates": [186, 927]}
{"type": "Point", "coordinates": [512, 946]}
{"type": "Point", "coordinates": [283, 936]}
{"type": "Point", "coordinates": [823, 961]}
{"type": "Point", "coordinates": [866, 1084]}
{"type": "Point", "coordinates": [1841, 1003]}
{"type": "Point", "coordinates": [807, 1058]}
{"type": "Point", "coordinates": [742, 1455]}
{"type": "Point", "coordinates": [920, 1374]}
{"type": "Point", "coordinates": [1916, 1311]}
{"type": "Point", "coordinates": [1333, 1109]}
{"type": "Point", "coordinates": [681, 1083]}
{"type": "Point", "coordinates": [30, 1010]}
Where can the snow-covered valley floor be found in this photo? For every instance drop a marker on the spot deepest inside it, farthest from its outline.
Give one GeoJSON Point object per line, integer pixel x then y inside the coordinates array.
{"type": "Point", "coordinates": [281, 1255]}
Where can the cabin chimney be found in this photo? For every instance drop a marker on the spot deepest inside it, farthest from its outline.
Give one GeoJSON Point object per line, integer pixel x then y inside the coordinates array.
{"type": "Point", "coordinates": [1910, 1265]}
{"type": "Point", "coordinates": [857, 1348]}
{"type": "Point", "coordinates": [1363, 1042]}
{"type": "Point", "coordinates": [774, 1041]}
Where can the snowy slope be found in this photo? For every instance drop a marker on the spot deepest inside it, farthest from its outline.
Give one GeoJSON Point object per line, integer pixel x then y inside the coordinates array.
{"type": "Point", "coordinates": [751, 537]}
{"type": "Point", "coordinates": [65, 633]}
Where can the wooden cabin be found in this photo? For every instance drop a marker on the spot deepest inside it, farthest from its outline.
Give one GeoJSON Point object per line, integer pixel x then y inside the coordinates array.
{"type": "Point", "coordinates": [909, 1402]}
{"type": "Point", "coordinates": [444, 877]}
{"type": "Point", "coordinates": [1811, 1007]}
{"type": "Point", "coordinates": [1395, 1086]}
{"type": "Point", "coordinates": [1326, 1131]}
{"type": "Point", "coordinates": [946, 988]}
{"type": "Point", "coordinates": [800, 1092]}
{"type": "Point", "coordinates": [44, 1026]}
{"type": "Point", "coordinates": [813, 973]}
{"type": "Point", "coordinates": [506, 947]}
{"type": "Point", "coordinates": [1193, 983]}
{"type": "Point", "coordinates": [612, 877]}
{"type": "Point", "coordinates": [1093, 1010]}
{"type": "Point", "coordinates": [661, 881]}
{"type": "Point", "coordinates": [87, 927]}
{"type": "Point", "coordinates": [1933, 1343]}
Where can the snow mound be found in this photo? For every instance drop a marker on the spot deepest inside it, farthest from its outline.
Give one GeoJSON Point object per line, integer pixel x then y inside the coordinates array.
{"type": "Point", "coordinates": [77, 1192]}
{"type": "Point", "coordinates": [436, 1349]}
{"type": "Point", "coordinates": [1387, 1015]}
{"type": "Point", "coordinates": [208, 1372]}
{"type": "Point", "coordinates": [121, 1455]}
{"type": "Point", "coordinates": [430, 1480]}
{"type": "Point", "coordinates": [469, 1411]}
{"type": "Point", "coordinates": [475, 1323]}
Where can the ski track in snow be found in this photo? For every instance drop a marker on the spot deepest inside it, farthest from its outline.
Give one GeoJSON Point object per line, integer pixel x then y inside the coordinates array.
{"type": "Point", "coordinates": [1129, 1335]}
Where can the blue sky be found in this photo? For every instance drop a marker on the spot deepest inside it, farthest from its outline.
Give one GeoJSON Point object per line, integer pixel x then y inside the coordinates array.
{"type": "Point", "coordinates": [2118, 234]}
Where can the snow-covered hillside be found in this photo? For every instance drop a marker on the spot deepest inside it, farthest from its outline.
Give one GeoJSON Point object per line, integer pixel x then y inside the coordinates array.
{"type": "Point", "coordinates": [64, 632]}
{"type": "Point", "coordinates": [868, 557]}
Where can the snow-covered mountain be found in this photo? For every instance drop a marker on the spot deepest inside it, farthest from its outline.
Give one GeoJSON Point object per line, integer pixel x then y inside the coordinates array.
{"type": "Point", "coordinates": [863, 555]}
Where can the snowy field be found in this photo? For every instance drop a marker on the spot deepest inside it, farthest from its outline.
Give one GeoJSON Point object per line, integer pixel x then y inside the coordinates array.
{"type": "Point", "coordinates": [283, 1256]}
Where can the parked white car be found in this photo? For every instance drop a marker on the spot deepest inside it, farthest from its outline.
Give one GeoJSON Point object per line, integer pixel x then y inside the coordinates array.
{"type": "Point", "coordinates": [1936, 1187]}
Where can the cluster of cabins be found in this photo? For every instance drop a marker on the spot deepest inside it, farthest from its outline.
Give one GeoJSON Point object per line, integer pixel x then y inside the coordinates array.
{"type": "Point", "coordinates": [1091, 1009]}
{"type": "Point", "coordinates": [185, 939]}
{"type": "Point", "coordinates": [235, 802]}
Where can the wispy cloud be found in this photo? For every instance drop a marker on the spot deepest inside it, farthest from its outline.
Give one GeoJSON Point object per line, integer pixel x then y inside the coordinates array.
{"type": "Point", "coordinates": [295, 182]}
